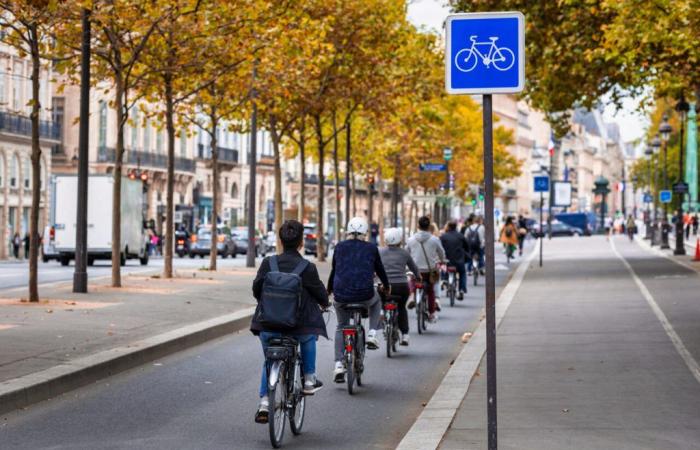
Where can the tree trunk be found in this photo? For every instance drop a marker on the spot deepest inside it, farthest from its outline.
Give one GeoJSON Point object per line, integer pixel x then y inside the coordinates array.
{"type": "Point", "coordinates": [279, 211]}
{"type": "Point", "coordinates": [36, 169]}
{"type": "Point", "coordinates": [215, 189]}
{"type": "Point", "coordinates": [336, 174]}
{"type": "Point", "coordinates": [302, 183]}
{"type": "Point", "coordinates": [320, 244]}
{"type": "Point", "coordinates": [170, 188]}
{"type": "Point", "coordinates": [380, 214]}
{"type": "Point", "coordinates": [119, 102]}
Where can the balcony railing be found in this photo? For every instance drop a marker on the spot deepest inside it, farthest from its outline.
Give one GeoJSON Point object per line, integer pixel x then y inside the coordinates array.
{"type": "Point", "coordinates": [16, 124]}
{"type": "Point", "coordinates": [226, 155]}
{"type": "Point", "coordinates": [145, 159]}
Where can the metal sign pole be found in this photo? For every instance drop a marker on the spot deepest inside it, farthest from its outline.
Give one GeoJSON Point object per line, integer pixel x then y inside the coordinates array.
{"type": "Point", "coordinates": [541, 230]}
{"type": "Point", "coordinates": [490, 274]}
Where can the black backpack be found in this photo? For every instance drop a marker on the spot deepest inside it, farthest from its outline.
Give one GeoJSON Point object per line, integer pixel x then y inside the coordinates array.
{"type": "Point", "coordinates": [280, 302]}
{"type": "Point", "coordinates": [473, 239]}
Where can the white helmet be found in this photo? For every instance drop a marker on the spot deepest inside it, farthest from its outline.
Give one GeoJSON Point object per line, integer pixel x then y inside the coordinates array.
{"type": "Point", "coordinates": [392, 236]}
{"type": "Point", "coordinates": [357, 225]}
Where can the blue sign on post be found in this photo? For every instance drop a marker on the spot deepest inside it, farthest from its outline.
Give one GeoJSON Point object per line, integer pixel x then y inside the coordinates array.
{"type": "Point", "coordinates": [542, 184]}
{"type": "Point", "coordinates": [665, 196]}
{"type": "Point", "coordinates": [485, 53]}
{"type": "Point", "coordinates": [648, 198]}
{"type": "Point", "coordinates": [432, 167]}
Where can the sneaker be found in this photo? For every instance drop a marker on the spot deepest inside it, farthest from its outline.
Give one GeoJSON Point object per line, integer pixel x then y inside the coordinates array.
{"type": "Point", "coordinates": [437, 305]}
{"type": "Point", "coordinates": [460, 295]}
{"type": "Point", "coordinates": [404, 340]}
{"type": "Point", "coordinates": [339, 372]}
{"type": "Point", "coordinates": [311, 385]}
{"type": "Point", "coordinates": [411, 303]}
{"type": "Point", "coordinates": [372, 341]}
{"type": "Point", "coordinates": [263, 413]}
{"type": "Point", "coordinates": [433, 318]}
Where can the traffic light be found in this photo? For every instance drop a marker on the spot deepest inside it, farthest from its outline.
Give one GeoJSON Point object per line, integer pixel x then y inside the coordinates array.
{"type": "Point", "coordinates": [473, 202]}
{"type": "Point", "coordinates": [481, 194]}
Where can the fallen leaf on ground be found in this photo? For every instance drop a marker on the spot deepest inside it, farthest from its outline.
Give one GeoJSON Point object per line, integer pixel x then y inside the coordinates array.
{"type": "Point", "coordinates": [49, 311]}
{"type": "Point", "coordinates": [565, 410]}
{"type": "Point", "coordinates": [465, 337]}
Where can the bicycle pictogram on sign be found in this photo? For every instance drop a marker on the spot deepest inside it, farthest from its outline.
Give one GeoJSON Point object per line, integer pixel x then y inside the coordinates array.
{"type": "Point", "coordinates": [502, 58]}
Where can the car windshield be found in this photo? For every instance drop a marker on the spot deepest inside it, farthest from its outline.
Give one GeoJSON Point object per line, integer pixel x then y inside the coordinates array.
{"type": "Point", "coordinates": [204, 234]}
{"type": "Point", "coordinates": [240, 234]}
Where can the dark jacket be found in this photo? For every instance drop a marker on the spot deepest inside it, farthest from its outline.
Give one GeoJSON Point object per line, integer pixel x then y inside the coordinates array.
{"type": "Point", "coordinates": [352, 275]}
{"type": "Point", "coordinates": [314, 294]}
{"type": "Point", "coordinates": [455, 245]}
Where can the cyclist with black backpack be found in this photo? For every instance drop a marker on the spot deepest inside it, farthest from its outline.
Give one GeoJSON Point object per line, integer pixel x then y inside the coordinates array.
{"type": "Point", "coordinates": [290, 298]}
{"type": "Point", "coordinates": [475, 235]}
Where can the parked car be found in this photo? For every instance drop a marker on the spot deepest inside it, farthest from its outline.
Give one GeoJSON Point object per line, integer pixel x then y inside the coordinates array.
{"type": "Point", "coordinates": [578, 220]}
{"type": "Point", "coordinates": [240, 239]}
{"type": "Point", "coordinates": [200, 243]}
{"type": "Point", "coordinates": [558, 229]}
{"type": "Point", "coordinates": [48, 245]}
{"type": "Point", "coordinates": [269, 243]}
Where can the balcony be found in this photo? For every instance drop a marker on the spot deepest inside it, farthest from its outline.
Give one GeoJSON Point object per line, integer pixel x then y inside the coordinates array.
{"type": "Point", "coordinates": [145, 159]}
{"type": "Point", "coordinates": [225, 155]}
{"type": "Point", "coordinates": [16, 124]}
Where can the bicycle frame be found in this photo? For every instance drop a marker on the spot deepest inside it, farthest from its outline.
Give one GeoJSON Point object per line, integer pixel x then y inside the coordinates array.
{"type": "Point", "coordinates": [492, 48]}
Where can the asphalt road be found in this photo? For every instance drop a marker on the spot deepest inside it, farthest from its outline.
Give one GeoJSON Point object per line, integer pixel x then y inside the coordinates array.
{"type": "Point", "coordinates": [16, 274]}
{"type": "Point", "coordinates": [206, 397]}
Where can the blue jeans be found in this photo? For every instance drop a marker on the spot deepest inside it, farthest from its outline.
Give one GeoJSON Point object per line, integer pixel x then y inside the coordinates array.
{"type": "Point", "coordinates": [307, 342]}
{"type": "Point", "coordinates": [462, 271]}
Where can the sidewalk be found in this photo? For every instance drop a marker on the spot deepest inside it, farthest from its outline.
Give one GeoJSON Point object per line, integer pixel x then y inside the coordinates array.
{"type": "Point", "coordinates": [68, 340]}
{"type": "Point", "coordinates": [586, 362]}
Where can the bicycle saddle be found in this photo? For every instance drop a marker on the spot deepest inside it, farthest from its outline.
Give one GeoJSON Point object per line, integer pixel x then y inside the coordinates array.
{"type": "Point", "coordinates": [355, 307]}
{"type": "Point", "coordinates": [283, 341]}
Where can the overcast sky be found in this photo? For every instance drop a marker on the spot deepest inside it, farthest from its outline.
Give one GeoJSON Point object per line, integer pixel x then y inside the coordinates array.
{"type": "Point", "coordinates": [432, 13]}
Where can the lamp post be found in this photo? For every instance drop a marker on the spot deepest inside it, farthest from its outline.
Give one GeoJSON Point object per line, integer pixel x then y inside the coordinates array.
{"type": "Point", "coordinates": [655, 145]}
{"type": "Point", "coordinates": [601, 188]}
{"type": "Point", "coordinates": [682, 107]}
{"type": "Point", "coordinates": [665, 131]}
{"type": "Point", "coordinates": [647, 219]}
{"type": "Point", "coordinates": [635, 183]}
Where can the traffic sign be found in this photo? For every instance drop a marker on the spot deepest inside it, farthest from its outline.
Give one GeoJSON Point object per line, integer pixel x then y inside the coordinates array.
{"type": "Point", "coordinates": [485, 53]}
{"type": "Point", "coordinates": [447, 153]}
{"type": "Point", "coordinates": [681, 187]}
{"type": "Point", "coordinates": [648, 198]}
{"type": "Point", "coordinates": [665, 196]}
{"type": "Point", "coordinates": [542, 183]}
{"type": "Point", "coordinates": [432, 167]}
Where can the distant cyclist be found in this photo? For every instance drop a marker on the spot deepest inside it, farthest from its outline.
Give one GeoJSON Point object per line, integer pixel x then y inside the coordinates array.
{"type": "Point", "coordinates": [311, 323]}
{"type": "Point", "coordinates": [426, 250]}
{"type": "Point", "coordinates": [396, 260]}
{"type": "Point", "coordinates": [355, 262]}
{"type": "Point", "coordinates": [475, 235]}
{"type": "Point", "coordinates": [457, 250]}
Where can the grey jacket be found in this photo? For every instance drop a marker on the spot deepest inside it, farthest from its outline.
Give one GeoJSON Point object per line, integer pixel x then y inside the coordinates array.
{"type": "Point", "coordinates": [395, 260]}
{"type": "Point", "coordinates": [433, 249]}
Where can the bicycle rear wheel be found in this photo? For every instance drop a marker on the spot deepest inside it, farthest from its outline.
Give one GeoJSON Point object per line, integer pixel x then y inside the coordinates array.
{"type": "Point", "coordinates": [475, 272]}
{"type": "Point", "coordinates": [453, 294]}
{"type": "Point", "coordinates": [278, 403]}
{"type": "Point", "coordinates": [419, 312]}
{"type": "Point", "coordinates": [389, 333]}
{"type": "Point", "coordinates": [350, 370]}
{"type": "Point", "coordinates": [296, 415]}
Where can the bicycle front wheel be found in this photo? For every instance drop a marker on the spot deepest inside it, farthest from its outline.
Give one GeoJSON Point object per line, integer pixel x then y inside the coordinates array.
{"type": "Point", "coordinates": [278, 403]}
{"type": "Point", "coordinates": [296, 415]}
{"type": "Point", "coordinates": [504, 59]}
{"type": "Point", "coordinates": [466, 60]}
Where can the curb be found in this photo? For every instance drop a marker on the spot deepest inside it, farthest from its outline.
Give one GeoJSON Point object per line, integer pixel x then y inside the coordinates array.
{"type": "Point", "coordinates": [35, 387]}
{"type": "Point", "coordinates": [433, 423]}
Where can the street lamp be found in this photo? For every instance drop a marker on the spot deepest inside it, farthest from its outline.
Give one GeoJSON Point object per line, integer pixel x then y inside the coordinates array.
{"type": "Point", "coordinates": [635, 185]}
{"type": "Point", "coordinates": [665, 131]}
{"type": "Point", "coordinates": [682, 107]}
{"type": "Point", "coordinates": [647, 219]}
{"type": "Point", "coordinates": [655, 146]}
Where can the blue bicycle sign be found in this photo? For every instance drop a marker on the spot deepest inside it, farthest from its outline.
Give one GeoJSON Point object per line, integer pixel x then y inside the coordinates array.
{"type": "Point", "coordinates": [485, 53]}
{"type": "Point", "coordinates": [502, 58]}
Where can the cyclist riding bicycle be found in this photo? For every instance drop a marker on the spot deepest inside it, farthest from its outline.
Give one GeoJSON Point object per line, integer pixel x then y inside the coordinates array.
{"type": "Point", "coordinates": [475, 234]}
{"type": "Point", "coordinates": [396, 260]}
{"type": "Point", "coordinates": [426, 250]}
{"type": "Point", "coordinates": [456, 249]}
{"type": "Point", "coordinates": [310, 323]}
{"type": "Point", "coordinates": [355, 261]}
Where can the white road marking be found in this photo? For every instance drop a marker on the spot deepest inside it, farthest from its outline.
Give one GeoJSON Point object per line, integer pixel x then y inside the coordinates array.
{"type": "Point", "coordinates": [675, 339]}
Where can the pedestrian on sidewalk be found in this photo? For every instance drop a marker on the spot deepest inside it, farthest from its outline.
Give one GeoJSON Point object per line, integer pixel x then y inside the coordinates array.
{"type": "Point", "coordinates": [16, 241]}
{"type": "Point", "coordinates": [25, 241]}
{"type": "Point", "coordinates": [310, 323]}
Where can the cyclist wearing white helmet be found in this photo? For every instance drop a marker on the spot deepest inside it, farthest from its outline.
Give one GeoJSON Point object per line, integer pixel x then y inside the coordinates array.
{"type": "Point", "coordinates": [355, 261]}
{"type": "Point", "coordinates": [396, 260]}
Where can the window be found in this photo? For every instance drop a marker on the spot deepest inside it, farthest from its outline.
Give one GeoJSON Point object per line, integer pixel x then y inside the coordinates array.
{"type": "Point", "coordinates": [58, 112]}
{"type": "Point", "coordinates": [208, 183]}
{"type": "Point", "coordinates": [159, 141]}
{"type": "Point", "coordinates": [147, 137]}
{"type": "Point", "coordinates": [102, 132]}
{"type": "Point", "coordinates": [225, 189]}
{"type": "Point", "coordinates": [14, 172]}
{"type": "Point", "coordinates": [183, 144]}
{"type": "Point", "coordinates": [234, 190]}
{"type": "Point", "coordinates": [3, 88]}
{"type": "Point", "coordinates": [16, 85]}
{"type": "Point", "coordinates": [27, 172]}
{"type": "Point", "coordinates": [135, 129]}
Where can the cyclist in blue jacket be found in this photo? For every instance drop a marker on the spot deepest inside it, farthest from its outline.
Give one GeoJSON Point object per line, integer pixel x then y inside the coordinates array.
{"type": "Point", "coordinates": [355, 262]}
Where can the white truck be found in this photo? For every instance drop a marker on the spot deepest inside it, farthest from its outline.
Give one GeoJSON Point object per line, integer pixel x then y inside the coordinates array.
{"type": "Point", "coordinates": [99, 231]}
